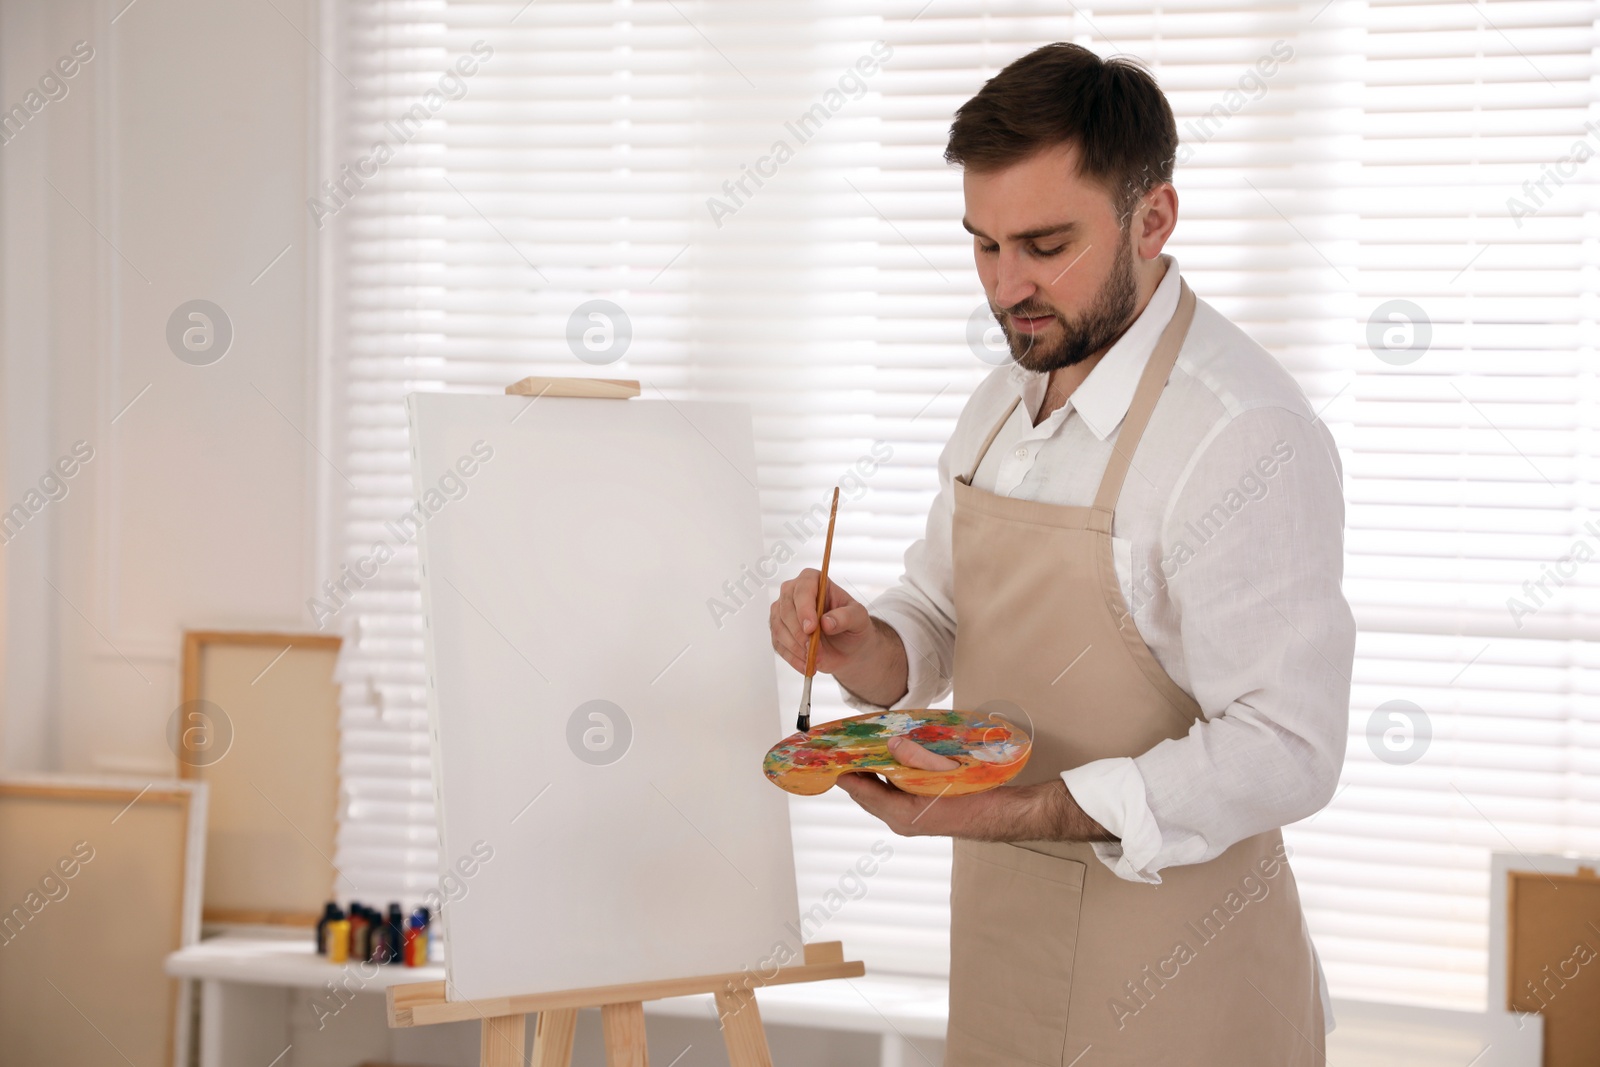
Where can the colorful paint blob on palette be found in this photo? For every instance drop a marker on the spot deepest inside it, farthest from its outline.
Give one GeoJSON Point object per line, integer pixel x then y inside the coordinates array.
{"type": "Point", "coordinates": [991, 750]}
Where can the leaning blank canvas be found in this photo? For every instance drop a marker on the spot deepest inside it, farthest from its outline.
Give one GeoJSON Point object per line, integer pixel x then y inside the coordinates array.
{"type": "Point", "coordinates": [100, 879]}
{"type": "Point", "coordinates": [597, 730]}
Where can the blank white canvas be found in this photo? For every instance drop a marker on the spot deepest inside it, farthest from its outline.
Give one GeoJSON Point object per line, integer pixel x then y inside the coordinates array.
{"type": "Point", "coordinates": [574, 565]}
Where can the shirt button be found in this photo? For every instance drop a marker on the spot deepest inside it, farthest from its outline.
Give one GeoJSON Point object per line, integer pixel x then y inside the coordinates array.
{"type": "Point", "coordinates": [1022, 453]}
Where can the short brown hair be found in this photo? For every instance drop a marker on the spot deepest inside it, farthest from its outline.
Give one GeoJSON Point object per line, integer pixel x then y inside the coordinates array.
{"type": "Point", "coordinates": [1112, 109]}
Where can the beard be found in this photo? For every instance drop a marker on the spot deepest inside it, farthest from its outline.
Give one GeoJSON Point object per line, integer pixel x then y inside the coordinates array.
{"type": "Point", "coordinates": [1096, 329]}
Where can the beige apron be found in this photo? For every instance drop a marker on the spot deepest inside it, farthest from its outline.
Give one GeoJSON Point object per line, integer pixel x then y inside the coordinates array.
{"type": "Point", "coordinates": [1053, 958]}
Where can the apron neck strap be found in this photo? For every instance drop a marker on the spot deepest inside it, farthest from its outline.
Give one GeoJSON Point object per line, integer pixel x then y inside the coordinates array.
{"type": "Point", "coordinates": [1151, 383]}
{"type": "Point", "coordinates": [966, 479]}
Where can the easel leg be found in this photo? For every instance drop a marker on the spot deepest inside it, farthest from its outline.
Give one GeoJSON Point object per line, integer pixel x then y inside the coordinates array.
{"type": "Point", "coordinates": [623, 1025]}
{"type": "Point", "coordinates": [552, 1037]}
{"type": "Point", "coordinates": [502, 1041]}
{"type": "Point", "coordinates": [742, 1030]}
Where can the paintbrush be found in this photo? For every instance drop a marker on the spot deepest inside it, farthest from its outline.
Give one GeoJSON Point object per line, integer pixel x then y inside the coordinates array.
{"type": "Point", "coordinates": [804, 722]}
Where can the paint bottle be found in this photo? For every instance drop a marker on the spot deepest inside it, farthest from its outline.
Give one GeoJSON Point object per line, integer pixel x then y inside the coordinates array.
{"type": "Point", "coordinates": [417, 939]}
{"type": "Point", "coordinates": [338, 937]}
{"type": "Point", "coordinates": [360, 932]}
{"type": "Point", "coordinates": [383, 947]}
{"type": "Point", "coordinates": [375, 940]}
{"type": "Point", "coordinates": [328, 916]}
{"type": "Point", "coordinates": [397, 933]}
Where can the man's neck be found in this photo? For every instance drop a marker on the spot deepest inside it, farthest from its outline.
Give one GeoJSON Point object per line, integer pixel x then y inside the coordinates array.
{"type": "Point", "coordinates": [1064, 381]}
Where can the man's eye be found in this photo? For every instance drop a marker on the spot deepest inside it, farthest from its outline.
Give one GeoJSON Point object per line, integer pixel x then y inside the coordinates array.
{"type": "Point", "coordinates": [988, 249]}
{"type": "Point", "coordinates": [1048, 251]}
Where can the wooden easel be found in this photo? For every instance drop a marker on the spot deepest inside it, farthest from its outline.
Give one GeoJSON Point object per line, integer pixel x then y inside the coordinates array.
{"type": "Point", "coordinates": [503, 1020]}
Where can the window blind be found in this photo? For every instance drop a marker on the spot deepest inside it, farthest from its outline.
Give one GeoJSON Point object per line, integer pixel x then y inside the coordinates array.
{"type": "Point", "coordinates": [1470, 471]}
{"type": "Point", "coordinates": [1337, 158]}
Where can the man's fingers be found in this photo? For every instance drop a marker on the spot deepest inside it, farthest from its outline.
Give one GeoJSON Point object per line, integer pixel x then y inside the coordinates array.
{"type": "Point", "coordinates": [793, 619]}
{"type": "Point", "coordinates": [837, 597]}
{"type": "Point", "coordinates": [899, 810]}
{"type": "Point", "coordinates": [851, 618]}
{"type": "Point", "coordinates": [786, 651]}
{"type": "Point", "coordinates": [785, 615]}
{"type": "Point", "coordinates": [803, 599]}
{"type": "Point", "coordinates": [786, 627]}
{"type": "Point", "coordinates": [912, 754]}
{"type": "Point", "coordinates": [787, 643]}
{"type": "Point", "coordinates": [864, 788]}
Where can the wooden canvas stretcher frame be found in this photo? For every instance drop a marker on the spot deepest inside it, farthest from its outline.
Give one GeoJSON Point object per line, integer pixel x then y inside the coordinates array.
{"type": "Point", "coordinates": [147, 837]}
{"type": "Point", "coordinates": [1506, 918]}
{"type": "Point", "coordinates": [310, 779]}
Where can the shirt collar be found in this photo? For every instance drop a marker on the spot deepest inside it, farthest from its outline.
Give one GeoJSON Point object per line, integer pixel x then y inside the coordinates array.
{"type": "Point", "coordinates": [1104, 396]}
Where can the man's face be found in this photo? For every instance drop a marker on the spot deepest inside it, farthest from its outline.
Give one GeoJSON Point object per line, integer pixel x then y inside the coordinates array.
{"type": "Point", "coordinates": [1055, 263]}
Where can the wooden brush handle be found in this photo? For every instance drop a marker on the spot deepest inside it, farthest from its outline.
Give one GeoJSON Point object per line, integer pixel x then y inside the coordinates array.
{"type": "Point", "coordinates": [822, 588]}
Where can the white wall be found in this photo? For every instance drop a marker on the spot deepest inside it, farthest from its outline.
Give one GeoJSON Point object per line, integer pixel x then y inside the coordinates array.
{"type": "Point", "coordinates": [180, 160]}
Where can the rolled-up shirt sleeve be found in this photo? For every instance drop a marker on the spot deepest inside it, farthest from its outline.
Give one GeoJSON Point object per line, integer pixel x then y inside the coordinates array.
{"type": "Point", "coordinates": [1251, 563]}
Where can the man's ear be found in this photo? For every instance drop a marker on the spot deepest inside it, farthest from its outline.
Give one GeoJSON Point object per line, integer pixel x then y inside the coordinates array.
{"type": "Point", "coordinates": [1155, 217]}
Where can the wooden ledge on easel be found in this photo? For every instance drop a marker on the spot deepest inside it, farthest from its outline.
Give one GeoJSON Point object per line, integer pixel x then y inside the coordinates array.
{"type": "Point", "coordinates": [593, 388]}
{"type": "Point", "coordinates": [622, 1012]}
{"type": "Point", "coordinates": [424, 1003]}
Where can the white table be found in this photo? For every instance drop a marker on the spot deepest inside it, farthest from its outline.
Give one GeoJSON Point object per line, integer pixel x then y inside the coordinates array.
{"type": "Point", "coordinates": [251, 989]}
{"type": "Point", "coordinates": [258, 999]}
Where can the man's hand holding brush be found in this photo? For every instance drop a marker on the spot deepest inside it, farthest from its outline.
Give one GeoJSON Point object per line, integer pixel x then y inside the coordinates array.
{"type": "Point", "coordinates": [863, 653]}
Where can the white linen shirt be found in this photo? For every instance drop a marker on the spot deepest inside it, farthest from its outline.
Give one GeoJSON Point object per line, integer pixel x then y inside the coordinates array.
{"type": "Point", "coordinates": [1228, 543]}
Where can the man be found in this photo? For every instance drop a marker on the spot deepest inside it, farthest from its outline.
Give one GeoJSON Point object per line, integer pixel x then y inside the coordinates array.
{"type": "Point", "coordinates": [1138, 544]}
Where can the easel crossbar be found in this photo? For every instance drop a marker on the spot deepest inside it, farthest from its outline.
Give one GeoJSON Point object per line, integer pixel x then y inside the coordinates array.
{"type": "Point", "coordinates": [424, 1003]}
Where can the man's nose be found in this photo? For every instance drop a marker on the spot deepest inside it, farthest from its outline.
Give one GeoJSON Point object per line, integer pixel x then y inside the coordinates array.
{"type": "Point", "coordinates": [1011, 284]}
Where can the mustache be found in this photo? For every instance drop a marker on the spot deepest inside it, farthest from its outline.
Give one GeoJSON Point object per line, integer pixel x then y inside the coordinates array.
{"type": "Point", "coordinates": [1025, 310]}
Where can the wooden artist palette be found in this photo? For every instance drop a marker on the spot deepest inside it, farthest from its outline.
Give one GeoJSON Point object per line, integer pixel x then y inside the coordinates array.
{"type": "Point", "coordinates": [992, 751]}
